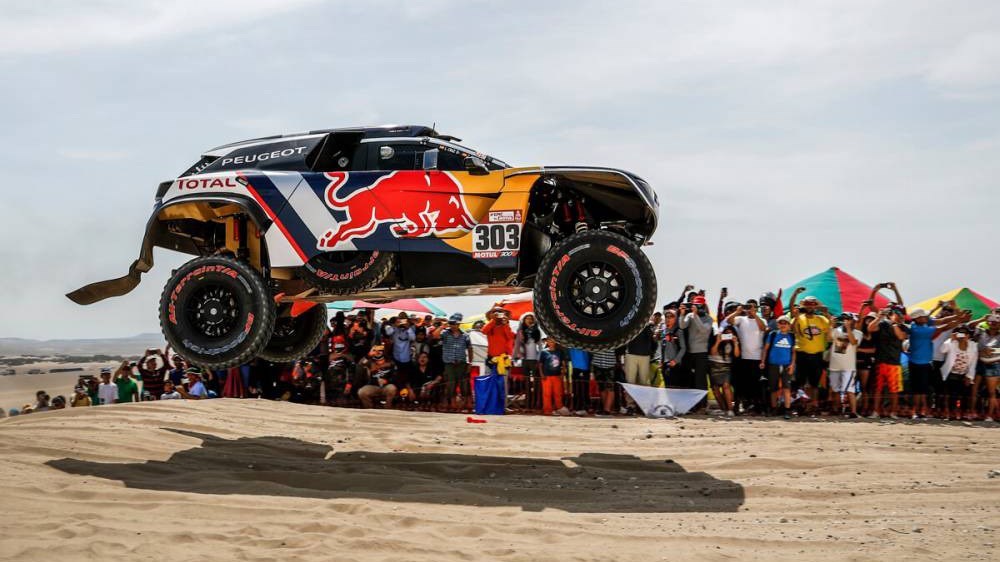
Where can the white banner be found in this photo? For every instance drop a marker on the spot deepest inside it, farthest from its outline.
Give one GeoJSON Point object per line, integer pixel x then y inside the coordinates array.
{"type": "Point", "coordinates": [663, 402]}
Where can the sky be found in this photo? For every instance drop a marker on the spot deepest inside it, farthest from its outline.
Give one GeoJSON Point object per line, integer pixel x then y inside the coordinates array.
{"type": "Point", "coordinates": [782, 137]}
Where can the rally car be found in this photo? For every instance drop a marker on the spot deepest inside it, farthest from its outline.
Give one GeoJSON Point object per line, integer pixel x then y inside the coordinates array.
{"type": "Point", "coordinates": [280, 224]}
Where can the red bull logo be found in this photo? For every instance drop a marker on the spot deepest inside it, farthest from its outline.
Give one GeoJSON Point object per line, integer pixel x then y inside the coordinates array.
{"type": "Point", "coordinates": [415, 204]}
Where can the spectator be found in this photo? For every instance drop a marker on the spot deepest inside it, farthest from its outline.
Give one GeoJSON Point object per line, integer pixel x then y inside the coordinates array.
{"type": "Point", "coordinates": [340, 369]}
{"type": "Point", "coordinates": [725, 351]}
{"type": "Point", "coordinates": [890, 333]}
{"type": "Point", "coordinates": [580, 361]}
{"type": "Point", "coordinates": [779, 359]}
{"type": "Point", "coordinates": [359, 336]}
{"type": "Point", "coordinates": [403, 335]}
{"type": "Point", "coordinates": [988, 343]}
{"type": "Point", "coordinates": [456, 352]}
{"type": "Point", "coordinates": [843, 364]}
{"type": "Point", "coordinates": [638, 353]}
{"type": "Point", "coordinates": [128, 389]}
{"type": "Point", "coordinates": [811, 329]}
{"type": "Point", "coordinates": [153, 372]}
{"type": "Point", "coordinates": [958, 369]}
{"type": "Point", "coordinates": [41, 402]}
{"type": "Point", "coordinates": [941, 310]}
{"type": "Point", "coordinates": [499, 344]}
{"type": "Point", "coordinates": [698, 326]}
{"type": "Point", "coordinates": [750, 329]}
{"type": "Point", "coordinates": [170, 392]}
{"type": "Point", "coordinates": [552, 362]}
{"type": "Point", "coordinates": [177, 367]}
{"type": "Point", "coordinates": [866, 356]}
{"type": "Point", "coordinates": [420, 342]}
{"type": "Point", "coordinates": [58, 403]}
{"type": "Point", "coordinates": [526, 344]}
{"type": "Point", "coordinates": [196, 389]}
{"type": "Point", "coordinates": [923, 329]}
{"type": "Point", "coordinates": [80, 398]}
{"type": "Point", "coordinates": [603, 365]}
{"type": "Point", "coordinates": [380, 373]}
{"type": "Point", "coordinates": [107, 391]}
{"type": "Point", "coordinates": [672, 347]}
{"type": "Point", "coordinates": [425, 380]}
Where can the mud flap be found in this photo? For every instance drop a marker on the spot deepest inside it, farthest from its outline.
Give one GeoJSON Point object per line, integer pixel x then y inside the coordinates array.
{"type": "Point", "coordinates": [94, 292]}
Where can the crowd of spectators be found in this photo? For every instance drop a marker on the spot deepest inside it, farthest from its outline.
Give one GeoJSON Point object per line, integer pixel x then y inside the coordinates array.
{"type": "Point", "coordinates": [752, 358]}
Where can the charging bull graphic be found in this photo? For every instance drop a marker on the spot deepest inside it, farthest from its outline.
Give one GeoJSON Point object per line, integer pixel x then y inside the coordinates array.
{"type": "Point", "coordinates": [415, 203]}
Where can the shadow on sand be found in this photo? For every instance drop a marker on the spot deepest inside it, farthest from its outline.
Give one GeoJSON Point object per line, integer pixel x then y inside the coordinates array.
{"type": "Point", "coordinates": [281, 466]}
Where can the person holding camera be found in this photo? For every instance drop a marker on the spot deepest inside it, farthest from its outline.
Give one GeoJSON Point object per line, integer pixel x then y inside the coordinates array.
{"type": "Point", "coordinates": [499, 343]}
{"type": "Point", "coordinates": [811, 328]}
{"type": "Point", "coordinates": [746, 373]}
{"type": "Point", "coordinates": [890, 332]}
{"type": "Point", "coordinates": [153, 374]}
{"type": "Point", "coordinates": [843, 364]}
{"type": "Point", "coordinates": [698, 326]}
{"type": "Point", "coordinates": [725, 351]}
{"type": "Point", "coordinates": [958, 370]}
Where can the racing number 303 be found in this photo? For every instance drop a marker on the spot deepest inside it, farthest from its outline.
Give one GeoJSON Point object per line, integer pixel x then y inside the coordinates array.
{"type": "Point", "coordinates": [497, 237]}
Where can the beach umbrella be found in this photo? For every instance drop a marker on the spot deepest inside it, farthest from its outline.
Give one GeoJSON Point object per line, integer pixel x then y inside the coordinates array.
{"type": "Point", "coordinates": [965, 298]}
{"type": "Point", "coordinates": [837, 289]}
{"type": "Point", "coordinates": [417, 306]}
{"type": "Point", "coordinates": [518, 304]}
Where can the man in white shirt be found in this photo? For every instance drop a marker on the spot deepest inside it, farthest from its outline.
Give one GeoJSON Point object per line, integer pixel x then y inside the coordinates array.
{"type": "Point", "coordinates": [196, 389]}
{"type": "Point", "coordinates": [107, 391]}
{"type": "Point", "coordinates": [750, 328]}
{"type": "Point", "coordinates": [843, 363]}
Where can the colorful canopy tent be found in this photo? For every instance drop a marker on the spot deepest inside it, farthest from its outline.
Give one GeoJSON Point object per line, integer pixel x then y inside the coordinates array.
{"type": "Point", "coordinates": [835, 288]}
{"type": "Point", "coordinates": [965, 298]}
{"type": "Point", "coordinates": [418, 306]}
{"type": "Point", "coordinates": [518, 304]}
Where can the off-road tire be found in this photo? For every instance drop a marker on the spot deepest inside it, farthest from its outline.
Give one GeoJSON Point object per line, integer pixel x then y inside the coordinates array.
{"type": "Point", "coordinates": [346, 273]}
{"type": "Point", "coordinates": [294, 338]}
{"type": "Point", "coordinates": [620, 290]}
{"type": "Point", "coordinates": [216, 312]}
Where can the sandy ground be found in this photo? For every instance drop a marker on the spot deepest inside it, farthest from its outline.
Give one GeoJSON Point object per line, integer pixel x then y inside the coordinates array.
{"type": "Point", "coordinates": [255, 480]}
{"type": "Point", "coordinates": [18, 390]}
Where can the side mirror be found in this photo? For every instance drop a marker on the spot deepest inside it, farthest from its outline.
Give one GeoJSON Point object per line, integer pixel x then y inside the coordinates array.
{"type": "Point", "coordinates": [431, 159]}
{"type": "Point", "coordinates": [475, 166]}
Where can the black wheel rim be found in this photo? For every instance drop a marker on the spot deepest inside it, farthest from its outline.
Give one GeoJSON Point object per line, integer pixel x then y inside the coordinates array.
{"type": "Point", "coordinates": [213, 311]}
{"type": "Point", "coordinates": [596, 289]}
{"type": "Point", "coordinates": [284, 328]}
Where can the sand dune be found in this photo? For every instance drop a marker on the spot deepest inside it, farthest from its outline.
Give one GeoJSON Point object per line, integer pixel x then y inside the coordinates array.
{"type": "Point", "coordinates": [255, 480]}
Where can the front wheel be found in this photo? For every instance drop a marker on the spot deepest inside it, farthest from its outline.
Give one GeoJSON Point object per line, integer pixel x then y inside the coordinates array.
{"type": "Point", "coordinates": [216, 312]}
{"type": "Point", "coordinates": [595, 290]}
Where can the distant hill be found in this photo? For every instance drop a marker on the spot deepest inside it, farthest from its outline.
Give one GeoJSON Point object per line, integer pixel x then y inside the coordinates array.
{"type": "Point", "coordinates": [134, 345]}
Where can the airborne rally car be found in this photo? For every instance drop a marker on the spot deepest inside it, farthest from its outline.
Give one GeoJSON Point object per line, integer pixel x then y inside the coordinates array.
{"type": "Point", "coordinates": [281, 224]}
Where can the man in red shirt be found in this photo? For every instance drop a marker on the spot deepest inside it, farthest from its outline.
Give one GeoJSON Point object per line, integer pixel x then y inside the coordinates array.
{"type": "Point", "coordinates": [499, 340]}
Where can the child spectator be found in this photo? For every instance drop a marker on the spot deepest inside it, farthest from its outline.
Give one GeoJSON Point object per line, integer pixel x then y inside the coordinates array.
{"type": "Point", "coordinates": [779, 359]}
{"type": "Point", "coordinates": [552, 362]}
{"type": "Point", "coordinates": [80, 398]}
{"type": "Point", "coordinates": [170, 392]}
{"type": "Point", "coordinates": [724, 352]}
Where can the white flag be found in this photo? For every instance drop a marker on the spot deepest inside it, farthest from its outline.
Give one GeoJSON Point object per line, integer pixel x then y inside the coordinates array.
{"type": "Point", "coordinates": [658, 402]}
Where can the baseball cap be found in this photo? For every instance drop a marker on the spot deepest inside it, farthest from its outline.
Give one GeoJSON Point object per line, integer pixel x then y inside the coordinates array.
{"type": "Point", "coordinates": [784, 318]}
{"type": "Point", "coordinates": [105, 370]}
{"type": "Point", "coordinates": [455, 318]}
{"type": "Point", "coordinates": [918, 313]}
{"type": "Point", "coordinates": [193, 371]}
{"type": "Point", "coordinates": [698, 299]}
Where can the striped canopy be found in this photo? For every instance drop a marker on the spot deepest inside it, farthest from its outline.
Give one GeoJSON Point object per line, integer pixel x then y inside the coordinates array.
{"type": "Point", "coordinates": [837, 289]}
{"type": "Point", "coordinates": [420, 306]}
{"type": "Point", "coordinates": [965, 298]}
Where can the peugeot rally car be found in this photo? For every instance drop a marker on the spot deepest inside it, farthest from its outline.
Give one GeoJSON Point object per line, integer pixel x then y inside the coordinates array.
{"type": "Point", "coordinates": [281, 224]}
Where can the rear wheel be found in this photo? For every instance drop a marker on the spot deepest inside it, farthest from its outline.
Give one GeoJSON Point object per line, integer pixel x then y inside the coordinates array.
{"type": "Point", "coordinates": [345, 273]}
{"type": "Point", "coordinates": [294, 338]}
{"type": "Point", "coordinates": [216, 312]}
{"type": "Point", "coordinates": [595, 290]}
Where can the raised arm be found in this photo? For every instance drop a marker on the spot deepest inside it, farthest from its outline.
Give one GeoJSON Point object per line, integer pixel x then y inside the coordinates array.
{"type": "Point", "coordinates": [793, 298]}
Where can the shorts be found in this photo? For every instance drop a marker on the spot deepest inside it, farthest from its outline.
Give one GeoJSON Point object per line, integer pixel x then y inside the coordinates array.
{"type": "Point", "coordinates": [889, 377]}
{"type": "Point", "coordinates": [866, 361]}
{"type": "Point", "coordinates": [920, 378]}
{"type": "Point", "coordinates": [808, 369]}
{"type": "Point", "coordinates": [991, 370]}
{"type": "Point", "coordinates": [776, 374]}
{"type": "Point", "coordinates": [457, 374]}
{"type": "Point", "coordinates": [842, 381]}
{"type": "Point", "coordinates": [720, 373]}
{"type": "Point", "coordinates": [605, 378]}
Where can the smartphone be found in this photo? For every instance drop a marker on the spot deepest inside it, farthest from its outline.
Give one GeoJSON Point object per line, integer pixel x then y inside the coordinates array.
{"type": "Point", "coordinates": [726, 337]}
